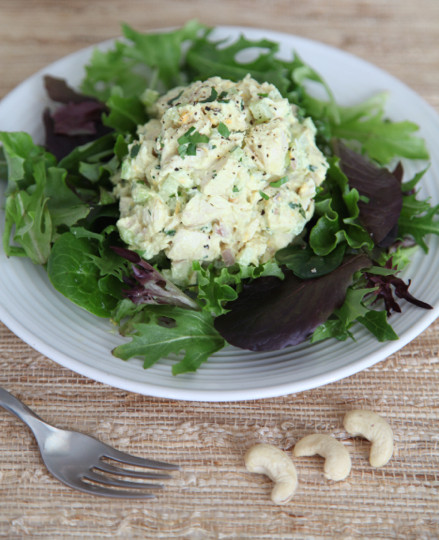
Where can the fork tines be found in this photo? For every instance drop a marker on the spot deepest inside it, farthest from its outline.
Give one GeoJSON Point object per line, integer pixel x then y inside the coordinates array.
{"type": "Point", "coordinates": [97, 481]}
{"type": "Point", "coordinates": [128, 459]}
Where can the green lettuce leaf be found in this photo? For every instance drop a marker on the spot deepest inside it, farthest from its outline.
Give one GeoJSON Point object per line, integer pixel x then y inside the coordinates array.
{"type": "Point", "coordinates": [38, 201]}
{"type": "Point", "coordinates": [3, 164]}
{"type": "Point", "coordinates": [126, 113]}
{"type": "Point", "coordinates": [418, 219]}
{"type": "Point", "coordinates": [113, 69]}
{"type": "Point", "coordinates": [376, 323]}
{"type": "Point", "coordinates": [206, 58]}
{"type": "Point", "coordinates": [305, 264]}
{"type": "Point", "coordinates": [21, 155]}
{"type": "Point", "coordinates": [216, 286]}
{"type": "Point", "coordinates": [365, 124]}
{"type": "Point", "coordinates": [29, 223]}
{"type": "Point", "coordinates": [162, 52]}
{"type": "Point", "coordinates": [382, 140]}
{"type": "Point", "coordinates": [160, 331]}
{"type": "Point", "coordinates": [339, 325]}
{"type": "Point", "coordinates": [337, 214]}
{"type": "Point", "coordinates": [84, 270]}
{"type": "Point", "coordinates": [143, 61]}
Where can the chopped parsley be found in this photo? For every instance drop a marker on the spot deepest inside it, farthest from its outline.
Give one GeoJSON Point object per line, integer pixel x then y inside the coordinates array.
{"type": "Point", "coordinates": [280, 182]}
{"type": "Point", "coordinates": [222, 96]}
{"type": "Point", "coordinates": [134, 150]}
{"type": "Point", "coordinates": [212, 97]}
{"type": "Point", "coordinates": [223, 130]}
{"type": "Point", "coordinates": [171, 101]}
{"type": "Point", "coordinates": [215, 97]}
{"type": "Point", "coordinates": [365, 199]}
{"type": "Point", "coordinates": [264, 195]}
{"type": "Point", "coordinates": [299, 207]}
{"type": "Point", "coordinates": [188, 142]}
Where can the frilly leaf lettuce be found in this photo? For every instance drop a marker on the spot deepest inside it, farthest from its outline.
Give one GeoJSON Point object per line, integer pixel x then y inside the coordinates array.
{"type": "Point", "coordinates": [214, 290]}
{"type": "Point", "coordinates": [217, 286]}
{"type": "Point", "coordinates": [337, 213]}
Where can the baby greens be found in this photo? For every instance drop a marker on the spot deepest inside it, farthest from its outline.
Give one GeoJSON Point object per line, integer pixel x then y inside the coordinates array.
{"type": "Point", "coordinates": [60, 211]}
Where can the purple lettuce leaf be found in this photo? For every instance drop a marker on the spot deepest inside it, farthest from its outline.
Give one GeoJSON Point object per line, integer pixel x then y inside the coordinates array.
{"type": "Point", "coordinates": [388, 285]}
{"type": "Point", "coordinates": [398, 172]}
{"type": "Point", "coordinates": [58, 90]}
{"type": "Point", "coordinates": [77, 121]}
{"type": "Point", "coordinates": [271, 314]}
{"type": "Point", "coordinates": [380, 190]}
{"type": "Point", "coordinates": [77, 118]}
{"type": "Point", "coordinates": [148, 286]}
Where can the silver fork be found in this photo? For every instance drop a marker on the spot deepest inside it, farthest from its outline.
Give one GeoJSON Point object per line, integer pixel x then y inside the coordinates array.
{"type": "Point", "coordinates": [80, 461]}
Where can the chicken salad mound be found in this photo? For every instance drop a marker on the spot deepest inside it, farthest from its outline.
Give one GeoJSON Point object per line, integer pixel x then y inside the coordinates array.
{"type": "Point", "coordinates": [223, 171]}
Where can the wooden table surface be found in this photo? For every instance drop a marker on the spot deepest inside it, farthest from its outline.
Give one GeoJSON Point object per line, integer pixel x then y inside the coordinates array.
{"type": "Point", "coordinates": [214, 496]}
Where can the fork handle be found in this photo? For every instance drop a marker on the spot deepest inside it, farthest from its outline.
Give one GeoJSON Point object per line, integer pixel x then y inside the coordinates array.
{"type": "Point", "coordinates": [15, 406]}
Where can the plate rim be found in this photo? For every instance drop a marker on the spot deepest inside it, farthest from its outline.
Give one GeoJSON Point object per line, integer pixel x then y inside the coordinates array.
{"type": "Point", "coordinates": [257, 392]}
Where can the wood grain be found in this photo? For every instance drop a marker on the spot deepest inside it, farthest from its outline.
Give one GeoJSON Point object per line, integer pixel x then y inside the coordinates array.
{"type": "Point", "coordinates": [214, 497]}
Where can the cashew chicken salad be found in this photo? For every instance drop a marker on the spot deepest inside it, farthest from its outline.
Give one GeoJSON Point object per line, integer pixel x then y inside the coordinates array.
{"type": "Point", "coordinates": [199, 200]}
{"type": "Point", "coordinates": [222, 172]}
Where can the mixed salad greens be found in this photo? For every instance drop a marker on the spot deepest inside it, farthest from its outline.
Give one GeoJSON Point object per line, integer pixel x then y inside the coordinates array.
{"type": "Point", "coordinates": [61, 212]}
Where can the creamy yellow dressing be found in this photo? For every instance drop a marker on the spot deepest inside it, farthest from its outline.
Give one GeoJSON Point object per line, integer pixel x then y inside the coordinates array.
{"type": "Point", "coordinates": [224, 171]}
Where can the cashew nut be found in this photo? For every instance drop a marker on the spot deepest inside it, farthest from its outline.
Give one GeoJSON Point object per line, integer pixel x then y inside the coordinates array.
{"type": "Point", "coordinates": [337, 460]}
{"type": "Point", "coordinates": [276, 464]}
{"type": "Point", "coordinates": [373, 427]}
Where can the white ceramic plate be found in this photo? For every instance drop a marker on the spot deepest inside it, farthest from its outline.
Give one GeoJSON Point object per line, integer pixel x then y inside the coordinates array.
{"type": "Point", "coordinates": [48, 322]}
